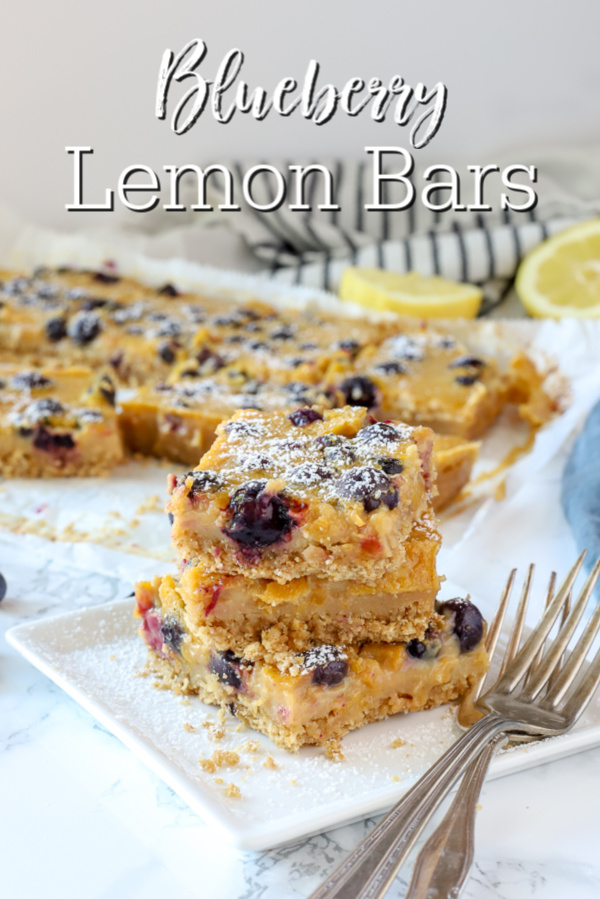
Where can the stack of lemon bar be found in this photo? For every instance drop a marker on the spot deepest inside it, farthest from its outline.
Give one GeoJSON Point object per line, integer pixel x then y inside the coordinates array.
{"type": "Point", "coordinates": [306, 597]}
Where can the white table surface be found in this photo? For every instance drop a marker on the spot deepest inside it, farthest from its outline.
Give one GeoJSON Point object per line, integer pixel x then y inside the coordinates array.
{"type": "Point", "coordinates": [82, 818]}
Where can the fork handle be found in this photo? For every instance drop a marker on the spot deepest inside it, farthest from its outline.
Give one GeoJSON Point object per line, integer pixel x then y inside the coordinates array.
{"type": "Point", "coordinates": [444, 862]}
{"type": "Point", "coordinates": [370, 869]}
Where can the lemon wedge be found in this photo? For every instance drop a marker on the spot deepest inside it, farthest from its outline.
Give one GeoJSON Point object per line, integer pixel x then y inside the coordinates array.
{"type": "Point", "coordinates": [409, 294]}
{"type": "Point", "coordinates": [561, 276]}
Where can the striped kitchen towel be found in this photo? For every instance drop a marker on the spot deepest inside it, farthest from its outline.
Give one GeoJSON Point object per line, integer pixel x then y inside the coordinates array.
{"type": "Point", "coordinates": [313, 247]}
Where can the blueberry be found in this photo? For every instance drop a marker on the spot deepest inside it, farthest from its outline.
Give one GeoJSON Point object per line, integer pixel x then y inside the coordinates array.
{"type": "Point", "coordinates": [172, 634]}
{"type": "Point", "coordinates": [30, 380]}
{"type": "Point", "coordinates": [171, 517]}
{"type": "Point", "coordinates": [107, 389]}
{"type": "Point", "coordinates": [227, 321]}
{"type": "Point", "coordinates": [254, 461]}
{"type": "Point", "coordinates": [56, 329]}
{"type": "Point", "coordinates": [209, 359]}
{"type": "Point", "coordinates": [258, 518]}
{"type": "Point", "coordinates": [285, 332]}
{"type": "Point", "coordinates": [203, 482]}
{"type": "Point", "coordinates": [330, 675]}
{"type": "Point", "coordinates": [416, 649]}
{"type": "Point", "coordinates": [391, 368]}
{"type": "Point", "coordinates": [309, 474]}
{"type": "Point", "coordinates": [341, 455]}
{"type": "Point", "coordinates": [105, 278]}
{"type": "Point", "coordinates": [380, 432]}
{"type": "Point", "coordinates": [47, 291]}
{"type": "Point", "coordinates": [330, 440]}
{"type": "Point", "coordinates": [92, 303]}
{"type": "Point", "coordinates": [429, 648]}
{"type": "Point", "coordinates": [359, 391]}
{"type": "Point", "coordinates": [195, 313]}
{"type": "Point", "coordinates": [349, 346]}
{"type": "Point", "coordinates": [167, 353]}
{"type": "Point", "coordinates": [390, 466]}
{"type": "Point", "coordinates": [43, 410]}
{"type": "Point", "coordinates": [410, 348]}
{"type": "Point", "coordinates": [328, 666]}
{"type": "Point", "coordinates": [2, 587]}
{"type": "Point", "coordinates": [467, 380]}
{"type": "Point", "coordinates": [169, 328]}
{"type": "Point", "coordinates": [370, 485]}
{"type": "Point", "coordinates": [84, 327]}
{"type": "Point", "coordinates": [467, 362]}
{"type": "Point", "coordinates": [226, 665]}
{"type": "Point", "coordinates": [116, 360]}
{"type": "Point", "coordinates": [304, 416]}
{"type": "Point", "coordinates": [167, 290]}
{"type": "Point", "coordinates": [44, 440]}
{"type": "Point", "coordinates": [467, 623]}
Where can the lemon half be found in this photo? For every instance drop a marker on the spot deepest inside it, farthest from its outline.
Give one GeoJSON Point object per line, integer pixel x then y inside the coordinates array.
{"type": "Point", "coordinates": [409, 294]}
{"type": "Point", "coordinates": [561, 276]}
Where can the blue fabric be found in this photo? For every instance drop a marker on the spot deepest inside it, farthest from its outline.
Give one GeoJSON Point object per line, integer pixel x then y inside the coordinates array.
{"type": "Point", "coordinates": [580, 493]}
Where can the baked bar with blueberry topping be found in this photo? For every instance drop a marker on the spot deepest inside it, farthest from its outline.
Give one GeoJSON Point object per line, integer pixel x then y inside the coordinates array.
{"type": "Point", "coordinates": [178, 419]}
{"type": "Point", "coordinates": [306, 610]}
{"type": "Point", "coordinates": [299, 698]}
{"type": "Point", "coordinates": [57, 423]}
{"type": "Point", "coordinates": [316, 491]}
{"type": "Point", "coordinates": [428, 378]}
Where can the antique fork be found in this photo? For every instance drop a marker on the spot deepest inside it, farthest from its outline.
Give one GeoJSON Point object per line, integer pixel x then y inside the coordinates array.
{"type": "Point", "coordinates": [370, 869]}
{"type": "Point", "coordinates": [445, 860]}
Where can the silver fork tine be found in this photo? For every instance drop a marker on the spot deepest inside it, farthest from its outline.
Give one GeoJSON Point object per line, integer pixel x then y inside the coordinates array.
{"type": "Point", "coordinates": [561, 640]}
{"type": "Point", "coordinates": [568, 674]}
{"type": "Point", "coordinates": [467, 713]}
{"type": "Point", "coordinates": [580, 699]}
{"type": "Point", "coordinates": [517, 628]}
{"type": "Point", "coordinates": [540, 652]}
{"type": "Point", "coordinates": [538, 636]}
{"type": "Point", "coordinates": [491, 641]}
{"type": "Point", "coordinates": [565, 614]}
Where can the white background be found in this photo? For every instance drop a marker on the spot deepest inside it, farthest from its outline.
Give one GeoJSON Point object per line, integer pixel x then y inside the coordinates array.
{"type": "Point", "coordinates": [520, 75]}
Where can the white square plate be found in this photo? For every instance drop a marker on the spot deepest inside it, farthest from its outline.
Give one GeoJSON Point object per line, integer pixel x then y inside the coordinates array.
{"type": "Point", "coordinates": [95, 655]}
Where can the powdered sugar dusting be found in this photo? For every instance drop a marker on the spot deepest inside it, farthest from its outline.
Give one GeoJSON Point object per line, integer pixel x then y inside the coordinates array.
{"type": "Point", "coordinates": [322, 655]}
{"type": "Point", "coordinates": [313, 460]}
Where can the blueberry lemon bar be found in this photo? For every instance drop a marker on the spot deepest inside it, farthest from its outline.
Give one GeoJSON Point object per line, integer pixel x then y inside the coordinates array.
{"type": "Point", "coordinates": [309, 697]}
{"type": "Point", "coordinates": [318, 492]}
{"type": "Point", "coordinates": [178, 419]}
{"type": "Point", "coordinates": [57, 423]}
{"type": "Point", "coordinates": [306, 596]}
{"type": "Point", "coordinates": [429, 378]}
{"type": "Point", "coordinates": [306, 610]}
